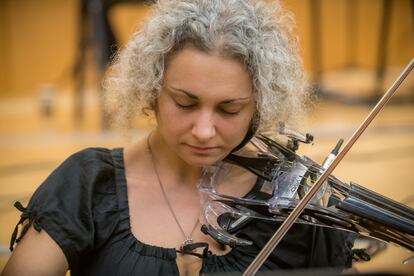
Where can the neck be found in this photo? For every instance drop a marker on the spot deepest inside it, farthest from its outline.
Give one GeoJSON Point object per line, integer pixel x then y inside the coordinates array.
{"type": "Point", "coordinates": [173, 168]}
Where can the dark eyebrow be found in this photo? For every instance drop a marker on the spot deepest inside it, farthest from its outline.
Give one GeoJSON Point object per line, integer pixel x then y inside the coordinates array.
{"type": "Point", "coordinates": [194, 97]}
{"type": "Point", "coordinates": [229, 101]}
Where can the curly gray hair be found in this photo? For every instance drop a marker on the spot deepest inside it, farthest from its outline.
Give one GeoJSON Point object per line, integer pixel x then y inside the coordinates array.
{"type": "Point", "coordinates": [256, 33]}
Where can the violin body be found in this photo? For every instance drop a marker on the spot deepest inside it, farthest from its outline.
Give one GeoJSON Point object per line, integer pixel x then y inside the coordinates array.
{"type": "Point", "coordinates": [282, 178]}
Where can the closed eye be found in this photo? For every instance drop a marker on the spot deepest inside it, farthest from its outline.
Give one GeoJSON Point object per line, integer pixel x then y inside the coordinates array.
{"type": "Point", "coordinates": [228, 112]}
{"type": "Point", "coordinates": [231, 108]}
{"type": "Point", "coordinates": [185, 106]}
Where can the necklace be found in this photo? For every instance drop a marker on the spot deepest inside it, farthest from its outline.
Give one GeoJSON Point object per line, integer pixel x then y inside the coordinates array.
{"type": "Point", "coordinates": [187, 238]}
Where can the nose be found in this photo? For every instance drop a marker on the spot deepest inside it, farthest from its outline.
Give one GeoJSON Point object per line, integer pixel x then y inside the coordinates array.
{"type": "Point", "coordinates": [204, 127]}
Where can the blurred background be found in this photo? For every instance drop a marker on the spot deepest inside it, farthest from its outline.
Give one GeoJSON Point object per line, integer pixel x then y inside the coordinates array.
{"type": "Point", "coordinates": [53, 54]}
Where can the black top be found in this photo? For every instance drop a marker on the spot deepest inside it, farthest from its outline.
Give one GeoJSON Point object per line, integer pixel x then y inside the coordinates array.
{"type": "Point", "coordinates": [83, 206]}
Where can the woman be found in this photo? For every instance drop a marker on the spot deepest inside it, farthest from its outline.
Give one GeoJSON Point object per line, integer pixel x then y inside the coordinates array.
{"type": "Point", "coordinates": [214, 72]}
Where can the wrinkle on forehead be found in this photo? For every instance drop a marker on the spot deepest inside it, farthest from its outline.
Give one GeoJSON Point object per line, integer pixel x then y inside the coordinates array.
{"type": "Point", "coordinates": [200, 73]}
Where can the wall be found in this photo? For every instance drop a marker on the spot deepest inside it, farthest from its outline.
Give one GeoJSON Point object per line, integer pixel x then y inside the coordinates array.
{"type": "Point", "coordinates": [39, 38]}
{"type": "Point", "coordinates": [4, 46]}
{"type": "Point", "coordinates": [40, 43]}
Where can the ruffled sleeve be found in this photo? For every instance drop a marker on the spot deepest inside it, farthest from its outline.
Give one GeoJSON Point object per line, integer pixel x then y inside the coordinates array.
{"type": "Point", "coordinates": [64, 204]}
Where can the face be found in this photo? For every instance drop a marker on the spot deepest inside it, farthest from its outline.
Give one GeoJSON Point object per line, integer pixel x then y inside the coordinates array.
{"type": "Point", "coordinates": [205, 106]}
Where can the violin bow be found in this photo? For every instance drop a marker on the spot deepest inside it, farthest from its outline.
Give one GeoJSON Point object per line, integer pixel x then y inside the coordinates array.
{"type": "Point", "coordinates": [281, 231]}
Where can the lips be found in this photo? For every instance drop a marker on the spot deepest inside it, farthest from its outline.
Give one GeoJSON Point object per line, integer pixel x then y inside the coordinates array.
{"type": "Point", "coordinates": [201, 149]}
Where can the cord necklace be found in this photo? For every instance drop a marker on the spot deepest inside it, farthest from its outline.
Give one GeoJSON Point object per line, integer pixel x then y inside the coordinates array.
{"type": "Point", "coordinates": [188, 240]}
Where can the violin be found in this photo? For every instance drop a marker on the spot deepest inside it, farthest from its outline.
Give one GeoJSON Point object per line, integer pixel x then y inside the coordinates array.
{"type": "Point", "coordinates": [286, 177]}
{"type": "Point", "coordinates": [296, 189]}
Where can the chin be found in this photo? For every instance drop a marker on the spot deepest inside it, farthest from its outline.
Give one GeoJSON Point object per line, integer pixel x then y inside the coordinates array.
{"type": "Point", "coordinates": [202, 161]}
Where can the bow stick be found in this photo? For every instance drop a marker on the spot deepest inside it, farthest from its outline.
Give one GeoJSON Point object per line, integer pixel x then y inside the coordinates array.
{"type": "Point", "coordinates": [281, 231]}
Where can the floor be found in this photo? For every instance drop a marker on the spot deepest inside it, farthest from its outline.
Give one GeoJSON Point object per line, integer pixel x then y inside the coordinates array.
{"type": "Point", "coordinates": [32, 143]}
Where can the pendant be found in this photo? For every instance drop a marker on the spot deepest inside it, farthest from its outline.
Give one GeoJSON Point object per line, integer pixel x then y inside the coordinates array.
{"type": "Point", "coordinates": [186, 244]}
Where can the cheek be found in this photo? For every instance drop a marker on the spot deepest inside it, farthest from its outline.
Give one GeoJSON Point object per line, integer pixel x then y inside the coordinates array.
{"type": "Point", "coordinates": [233, 130]}
{"type": "Point", "coordinates": [169, 119]}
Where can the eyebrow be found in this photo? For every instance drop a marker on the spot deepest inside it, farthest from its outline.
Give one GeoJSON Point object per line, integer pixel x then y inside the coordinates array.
{"type": "Point", "coordinates": [194, 97]}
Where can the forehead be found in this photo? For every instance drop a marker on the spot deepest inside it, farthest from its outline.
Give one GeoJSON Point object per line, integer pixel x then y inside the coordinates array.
{"type": "Point", "coordinates": [208, 76]}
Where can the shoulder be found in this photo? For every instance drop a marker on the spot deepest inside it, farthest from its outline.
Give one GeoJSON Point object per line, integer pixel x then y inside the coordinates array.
{"type": "Point", "coordinates": [80, 175]}
{"type": "Point", "coordinates": [74, 200]}
{"type": "Point", "coordinates": [89, 156]}
{"type": "Point", "coordinates": [87, 163]}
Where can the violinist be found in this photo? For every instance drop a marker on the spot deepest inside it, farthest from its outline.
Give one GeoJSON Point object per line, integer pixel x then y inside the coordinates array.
{"type": "Point", "coordinates": [212, 73]}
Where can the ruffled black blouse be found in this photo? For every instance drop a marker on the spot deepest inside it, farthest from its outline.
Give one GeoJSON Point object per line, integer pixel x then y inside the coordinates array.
{"type": "Point", "coordinates": [83, 206]}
